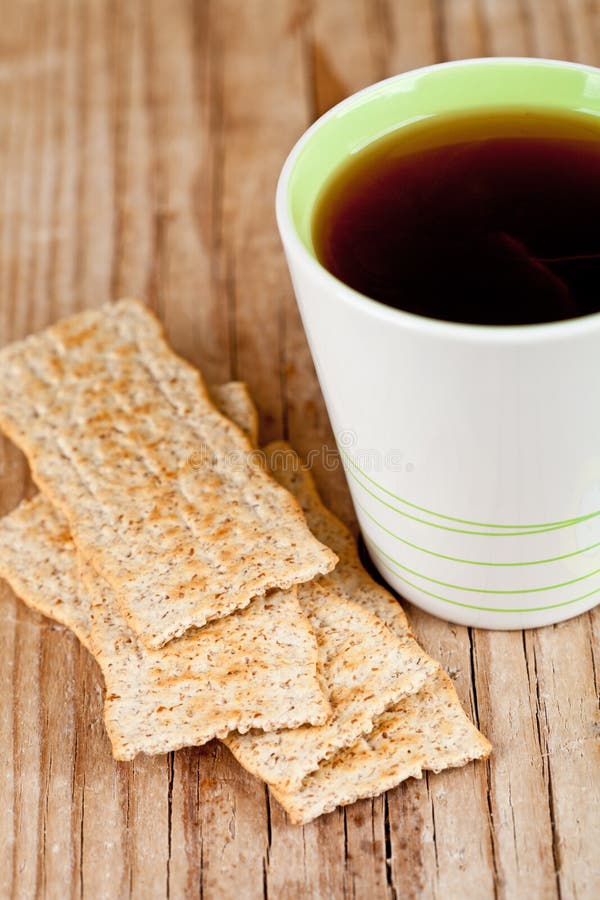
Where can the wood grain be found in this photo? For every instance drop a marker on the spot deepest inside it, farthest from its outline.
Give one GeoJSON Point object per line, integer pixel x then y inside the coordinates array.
{"type": "Point", "coordinates": [140, 144]}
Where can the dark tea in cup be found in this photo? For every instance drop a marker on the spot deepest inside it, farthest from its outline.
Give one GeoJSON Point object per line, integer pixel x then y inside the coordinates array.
{"type": "Point", "coordinates": [485, 218]}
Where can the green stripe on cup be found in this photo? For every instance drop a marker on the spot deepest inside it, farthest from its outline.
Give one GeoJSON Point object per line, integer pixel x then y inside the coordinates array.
{"type": "Point", "coordinates": [491, 609]}
{"type": "Point", "coordinates": [474, 590]}
{"type": "Point", "coordinates": [406, 515]}
{"type": "Point", "coordinates": [472, 562]}
{"type": "Point", "coordinates": [542, 526]}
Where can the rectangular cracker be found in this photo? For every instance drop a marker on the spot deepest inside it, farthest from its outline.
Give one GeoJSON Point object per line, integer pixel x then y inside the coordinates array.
{"type": "Point", "coordinates": [38, 559]}
{"type": "Point", "coordinates": [257, 667]}
{"type": "Point", "coordinates": [37, 552]}
{"type": "Point", "coordinates": [162, 493]}
{"type": "Point", "coordinates": [365, 667]}
{"type": "Point", "coordinates": [254, 668]}
{"type": "Point", "coordinates": [427, 730]}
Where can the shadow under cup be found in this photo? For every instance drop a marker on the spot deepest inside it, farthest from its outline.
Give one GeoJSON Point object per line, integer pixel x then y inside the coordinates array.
{"type": "Point", "coordinates": [472, 452]}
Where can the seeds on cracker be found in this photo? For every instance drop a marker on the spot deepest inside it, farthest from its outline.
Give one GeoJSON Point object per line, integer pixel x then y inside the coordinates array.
{"type": "Point", "coordinates": [365, 667]}
{"type": "Point", "coordinates": [350, 577]}
{"type": "Point", "coordinates": [38, 559]}
{"type": "Point", "coordinates": [37, 553]}
{"type": "Point", "coordinates": [262, 661]}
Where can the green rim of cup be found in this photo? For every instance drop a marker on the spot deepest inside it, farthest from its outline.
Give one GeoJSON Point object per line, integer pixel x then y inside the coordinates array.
{"type": "Point", "coordinates": [465, 86]}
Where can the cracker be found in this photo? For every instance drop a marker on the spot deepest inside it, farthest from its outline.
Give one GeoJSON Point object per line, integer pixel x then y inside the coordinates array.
{"type": "Point", "coordinates": [38, 559]}
{"type": "Point", "coordinates": [233, 400]}
{"type": "Point", "coordinates": [366, 668]}
{"type": "Point", "coordinates": [350, 577]}
{"type": "Point", "coordinates": [256, 668]}
{"type": "Point", "coordinates": [427, 730]}
{"type": "Point", "coordinates": [37, 552]}
{"type": "Point", "coordinates": [162, 493]}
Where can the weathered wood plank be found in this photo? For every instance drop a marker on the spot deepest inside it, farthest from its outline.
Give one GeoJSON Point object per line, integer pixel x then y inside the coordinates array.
{"type": "Point", "coordinates": [261, 114]}
{"type": "Point", "coordinates": [234, 822]}
{"type": "Point", "coordinates": [22, 635]}
{"type": "Point", "coordinates": [463, 29]}
{"type": "Point", "coordinates": [457, 832]}
{"type": "Point", "coordinates": [518, 789]}
{"type": "Point", "coordinates": [581, 20]}
{"type": "Point", "coordinates": [505, 23]}
{"type": "Point", "coordinates": [569, 724]}
{"type": "Point", "coordinates": [180, 64]}
{"type": "Point", "coordinates": [102, 785]}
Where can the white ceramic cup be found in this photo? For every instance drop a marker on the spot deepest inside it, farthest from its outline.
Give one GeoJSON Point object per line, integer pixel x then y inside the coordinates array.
{"type": "Point", "coordinates": [472, 452]}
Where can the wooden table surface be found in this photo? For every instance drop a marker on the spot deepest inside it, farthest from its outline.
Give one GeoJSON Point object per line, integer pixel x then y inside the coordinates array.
{"type": "Point", "coordinates": [140, 142]}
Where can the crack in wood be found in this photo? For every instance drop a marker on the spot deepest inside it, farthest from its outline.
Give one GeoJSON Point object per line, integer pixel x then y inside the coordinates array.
{"type": "Point", "coordinates": [525, 17]}
{"type": "Point", "coordinates": [81, 838]}
{"type": "Point", "coordinates": [488, 776]}
{"type": "Point", "coordinates": [484, 27]}
{"type": "Point", "coordinates": [171, 771]}
{"type": "Point", "coordinates": [438, 21]}
{"type": "Point", "coordinates": [546, 764]}
{"type": "Point", "coordinates": [150, 105]}
{"type": "Point", "coordinates": [123, 64]}
{"type": "Point", "coordinates": [593, 656]}
{"type": "Point", "coordinates": [433, 826]}
{"type": "Point", "coordinates": [389, 860]}
{"type": "Point", "coordinates": [222, 264]}
{"type": "Point", "coordinates": [307, 44]}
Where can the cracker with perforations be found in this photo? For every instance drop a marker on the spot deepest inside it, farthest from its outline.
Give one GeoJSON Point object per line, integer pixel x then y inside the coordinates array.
{"type": "Point", "coordinates": [365, 667]}
{"type": "Point", "coordinates": [162, 493]}
{"type": "Point", "coordinates": [38, 559]}
{"type": "Point", "coordinates": [350, 577]}
{"type": "Point", "coordinates": [254, 668]}
{"type": "Point", "coordinates": [37, 553]}
{"type": "Point", "coordinates": [426, 731]}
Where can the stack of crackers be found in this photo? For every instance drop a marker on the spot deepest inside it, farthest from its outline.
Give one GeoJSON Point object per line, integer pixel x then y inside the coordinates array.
{"type": "Point", "coordinates": [220, 598]}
